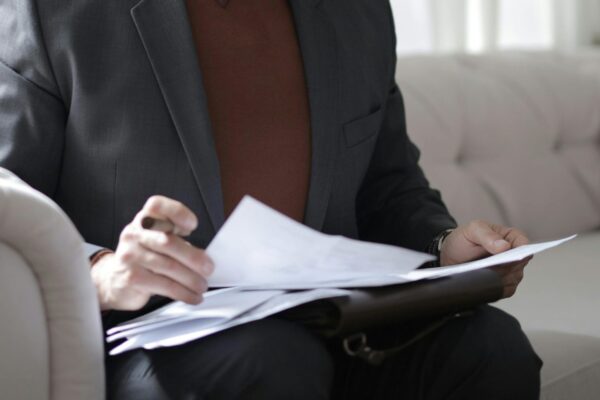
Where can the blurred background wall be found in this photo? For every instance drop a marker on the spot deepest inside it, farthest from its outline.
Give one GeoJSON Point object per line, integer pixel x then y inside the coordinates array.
{"type": "Point", "coordinates": [430, 26]}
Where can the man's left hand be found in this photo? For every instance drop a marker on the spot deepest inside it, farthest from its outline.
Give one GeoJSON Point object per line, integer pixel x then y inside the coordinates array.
{"type": "Point", "coordinates": [480, 239]}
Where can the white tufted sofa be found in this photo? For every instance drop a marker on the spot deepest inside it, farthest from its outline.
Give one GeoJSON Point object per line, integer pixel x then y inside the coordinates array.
{"type": "Point", "coordinates": [51, 345]}
{"type": "Point", "coordinates": [515, 138]}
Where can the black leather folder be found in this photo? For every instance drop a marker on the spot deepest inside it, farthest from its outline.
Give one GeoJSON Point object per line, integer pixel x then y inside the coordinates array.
{"type": "Point", "coordinates": [364, 309]}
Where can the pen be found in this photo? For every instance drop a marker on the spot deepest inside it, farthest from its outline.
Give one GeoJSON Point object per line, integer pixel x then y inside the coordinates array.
{"type": "Point", "coordinates": [160, 225]}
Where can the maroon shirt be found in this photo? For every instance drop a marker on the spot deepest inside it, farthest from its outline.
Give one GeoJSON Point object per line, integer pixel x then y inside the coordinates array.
{"type": "Point", "coordinates": [257, 98]}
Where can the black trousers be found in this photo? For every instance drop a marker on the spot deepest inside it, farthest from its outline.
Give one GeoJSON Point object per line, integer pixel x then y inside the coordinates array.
{"type": "Point", "coordinates": [484, 356]}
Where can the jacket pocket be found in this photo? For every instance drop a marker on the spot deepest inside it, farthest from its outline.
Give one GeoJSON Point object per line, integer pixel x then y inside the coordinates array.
{"type": "Point", "coordinates": [361, 129]}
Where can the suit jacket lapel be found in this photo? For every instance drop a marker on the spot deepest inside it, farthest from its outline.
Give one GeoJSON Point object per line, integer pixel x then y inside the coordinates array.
{"type": "Point", "coordinates": [163, 26]}
{"type": "Point", "coordinates": [318, 45]}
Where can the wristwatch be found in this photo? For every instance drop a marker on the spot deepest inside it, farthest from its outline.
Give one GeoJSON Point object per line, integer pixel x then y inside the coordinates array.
{"type": "Point", "coordinates": [435, 248]}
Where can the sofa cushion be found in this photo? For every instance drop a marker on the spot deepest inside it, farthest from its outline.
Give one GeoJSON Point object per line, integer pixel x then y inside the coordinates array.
{"type": "Point", "coordinates": [561, 289]}
{"type": "Point", "coordinates": [571, 365]}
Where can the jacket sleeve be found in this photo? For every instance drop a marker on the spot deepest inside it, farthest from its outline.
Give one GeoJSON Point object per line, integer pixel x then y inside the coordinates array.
{"type": "Point", "coordinates": [32, 114]}
{"type": "Point", "coordinates": [395, 204]}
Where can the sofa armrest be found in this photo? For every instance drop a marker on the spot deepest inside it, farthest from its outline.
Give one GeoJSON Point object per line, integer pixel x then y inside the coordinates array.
{"type": "Point", "coordinates": [48, 274]}
{"type": "Point", "coordinates": [24, 348]}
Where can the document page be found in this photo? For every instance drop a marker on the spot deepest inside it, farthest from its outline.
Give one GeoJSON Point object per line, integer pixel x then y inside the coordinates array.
{"type": "Point", "coordinates": [259, 246]}
{"type": "Point", "coordinates": [172, 311]}
{"type": "Point", "coordinates": [187, 330]}
{"type": "Point", "coordinates": [510, 256]}
{"type": "Point", "coordinates": [218, 307]}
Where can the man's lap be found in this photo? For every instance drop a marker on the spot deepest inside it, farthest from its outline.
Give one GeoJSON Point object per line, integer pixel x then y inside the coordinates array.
{"type": "Point", "coordinates": [482, 356]}
{"type": "Point", "coordinates": [258, 360]}
{"type": "Point", "coordinates": [467, 358]}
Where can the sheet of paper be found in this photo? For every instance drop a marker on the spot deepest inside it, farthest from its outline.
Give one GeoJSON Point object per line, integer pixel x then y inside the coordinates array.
{"type": "Point", "coordinates": [259, 246]}
{"type": "Point", "coordinates": [215, 309]}
{"type": "Point", "coordinates": [348, 283]}
{"type": "Point", "coordinates": [513, 255]}
{"type": "Point", "coordinates": [172, 310]}
{"type": "Point", "coordinates": [187, 331]}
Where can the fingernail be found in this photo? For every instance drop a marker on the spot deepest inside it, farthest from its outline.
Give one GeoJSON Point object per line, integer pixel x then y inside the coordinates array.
{"type": "Point", "coordinates": [500, 243]}
{"type": "Point", "coordinates": [190, 224]}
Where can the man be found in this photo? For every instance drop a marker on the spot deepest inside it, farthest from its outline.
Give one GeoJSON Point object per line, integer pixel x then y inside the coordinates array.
{"type": "Point", "coordinates": [178, 108]}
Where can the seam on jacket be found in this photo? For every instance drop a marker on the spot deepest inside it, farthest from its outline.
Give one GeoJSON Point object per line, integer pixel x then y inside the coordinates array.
{"type": "Point", "coordinates": [45, 50]}
{"type": "Point", "coordinates": [30, 82]}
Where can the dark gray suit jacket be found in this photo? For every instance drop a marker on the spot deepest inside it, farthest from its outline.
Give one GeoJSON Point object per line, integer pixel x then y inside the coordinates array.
{"type": "Point", "coordinates": [102, 105]}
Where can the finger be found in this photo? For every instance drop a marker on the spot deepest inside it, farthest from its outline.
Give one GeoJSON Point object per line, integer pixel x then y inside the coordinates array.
{"type": "Point", "coordinates": [515, 276]}
{"type": "Point", "coordinates": [483, 234]}
{"type": "Point", "coordinates": [172, 269]}
{"type": "Point", "coordinates": [509, 284]}
{"type": "Point", "coordinates": [520, 265]}
{"type": "Point", "coordinates": [516, 237]}
{"type": "Point", "coordinates": [178, 249]}
{"type": "Point", "coordinates": [513, 279]}
{"type": "Point", "coordinates": [526, 261]}
{"type": "Point", "coordinates": [172, 210]}
{"type": "Point", "coordinates": [509, 291]}
{"type": "Point", "coordinates": [518, 276]}
{"type": "Point", "coordinates": [510, 268]}
{"type": "Point", "coordinates": [503, 269]}
{"type": "Point", "coordinates": [163, 286]}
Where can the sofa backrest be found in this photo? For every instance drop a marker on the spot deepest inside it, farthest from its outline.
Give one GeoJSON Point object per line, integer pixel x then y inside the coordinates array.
{"type": "Point", "coordinates": [511, 138]}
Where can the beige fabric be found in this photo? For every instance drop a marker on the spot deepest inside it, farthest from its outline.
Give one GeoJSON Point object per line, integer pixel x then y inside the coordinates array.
{"type": "Point", "coordinates": [571, 365]}
{"type": "Point", "coordinates": [24, 355]}
{"type": "Point", "coordinates": [561, 289]}
{"type": "Point", "coordinates": [513, 138]}
{"type": "Point", "coordinates": [34, 227]}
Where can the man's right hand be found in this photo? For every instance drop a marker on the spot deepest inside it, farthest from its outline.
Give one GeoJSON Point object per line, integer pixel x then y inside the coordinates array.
{"type": "Point", "coordinates": [150, 263]}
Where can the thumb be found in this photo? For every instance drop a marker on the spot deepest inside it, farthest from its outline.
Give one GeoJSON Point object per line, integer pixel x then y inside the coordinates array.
{"type": "Point", "coordinates": [483, 234]}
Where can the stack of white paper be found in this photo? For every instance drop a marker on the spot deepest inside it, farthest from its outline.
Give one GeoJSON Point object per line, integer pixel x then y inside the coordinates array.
{"type": "Point", "coordinates": [271, 263]}
{"type": "Point", "coordinates": [178, 323]}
